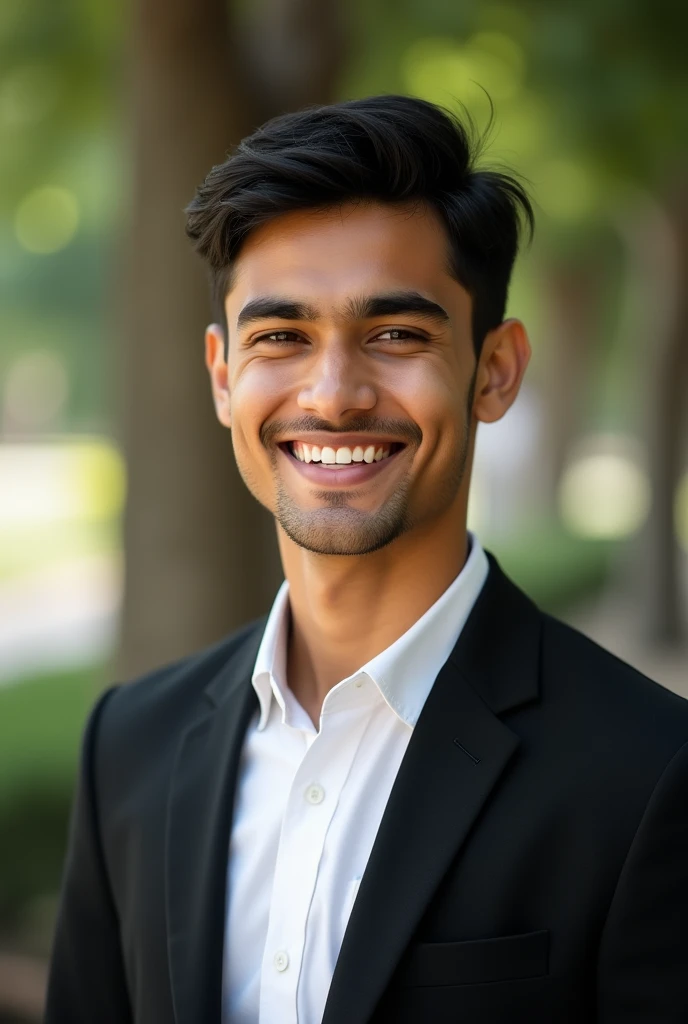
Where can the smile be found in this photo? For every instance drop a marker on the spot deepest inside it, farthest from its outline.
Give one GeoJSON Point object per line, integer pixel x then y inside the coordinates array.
{"type": "Point", "coordinates": [341, 465]}
{"type": "Point", "coordinates": [341, 456]}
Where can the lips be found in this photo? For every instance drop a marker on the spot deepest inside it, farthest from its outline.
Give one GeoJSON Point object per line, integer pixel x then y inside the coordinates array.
{"type": "Point", "coordinates": [340, 465]}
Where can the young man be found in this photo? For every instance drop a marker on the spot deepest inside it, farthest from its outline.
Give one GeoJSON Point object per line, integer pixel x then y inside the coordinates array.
{"type": "Point", "coordinates": [409, 796]}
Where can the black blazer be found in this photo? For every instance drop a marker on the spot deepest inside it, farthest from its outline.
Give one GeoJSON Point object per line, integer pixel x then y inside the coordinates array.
{"type": "Point", "coordinates": [531, 866]}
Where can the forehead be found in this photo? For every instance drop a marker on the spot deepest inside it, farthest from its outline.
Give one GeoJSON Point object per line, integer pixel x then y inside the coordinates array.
{"type": "Point", "coordinates": [328, 255]}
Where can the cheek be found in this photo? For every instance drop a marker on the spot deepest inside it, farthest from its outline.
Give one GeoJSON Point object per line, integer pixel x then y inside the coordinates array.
{"type": "Point", "coordinates": [257, 390]}
{"type": "Point", "coordinates": [428, 391]}
{"type": "Point", "coordinates": [434, 395]}
{"type": "Point", "coordinates": [253, 401]}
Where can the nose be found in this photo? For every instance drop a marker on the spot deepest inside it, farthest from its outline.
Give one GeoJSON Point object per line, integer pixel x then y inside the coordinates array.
{"type": "Point", "coordinates": [335, 386]}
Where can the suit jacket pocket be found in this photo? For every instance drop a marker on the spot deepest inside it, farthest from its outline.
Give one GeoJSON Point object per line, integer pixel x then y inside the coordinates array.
{"type": "Point", "coordinates": [508, 958]}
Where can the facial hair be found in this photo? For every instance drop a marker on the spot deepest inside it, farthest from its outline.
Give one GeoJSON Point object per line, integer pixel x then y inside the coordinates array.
{"type": "Point", "coordinates": [337, 528]}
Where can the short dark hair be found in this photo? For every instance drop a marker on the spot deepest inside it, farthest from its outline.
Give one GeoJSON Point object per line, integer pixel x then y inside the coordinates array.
{"type": "Point", "coordinates": [390, 149]}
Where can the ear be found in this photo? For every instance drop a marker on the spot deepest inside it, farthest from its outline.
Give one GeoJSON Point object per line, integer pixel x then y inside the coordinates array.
{"type": "Point", "coordinates": [217, 368]}
{"type": "Point", "coordinates": [503, 360]}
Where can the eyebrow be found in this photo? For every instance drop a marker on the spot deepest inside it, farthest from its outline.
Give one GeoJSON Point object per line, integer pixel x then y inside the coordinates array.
{"type": "Point", "coordinates": [368, 307]}
{"type": "Point", "coordinates": [268, 307]}
{"type": "Point", "coordinates": [397, 304]}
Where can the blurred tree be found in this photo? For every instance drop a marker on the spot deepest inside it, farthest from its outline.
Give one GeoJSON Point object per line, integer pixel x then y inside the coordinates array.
{"type": "Point", "coordinates": [200, 555]}
{"type": "Point", "coordinates": [590, 100]}
{"type": "Point", "coordinates": [58, 67]}
{"type": "Point", "coordinates": [666, 344]}
{"type": "Point", "coordinates": [618, 75]}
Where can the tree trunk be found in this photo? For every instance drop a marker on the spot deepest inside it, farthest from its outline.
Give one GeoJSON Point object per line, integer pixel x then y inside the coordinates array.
{"type": "Point", "coordinates": [572, 288]}
{"type": "Point", "coordinates": [669, 428]}
{"type": "Point", "coordinates": [200, 554]}
{"type": "Point", "coordinates": [656, 237]}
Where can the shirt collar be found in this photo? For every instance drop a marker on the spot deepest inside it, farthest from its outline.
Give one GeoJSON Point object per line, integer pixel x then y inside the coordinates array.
{"type": "Point", "coordinates": [405, 671]}
{"type": "Point", "coordinates": [270, 672]}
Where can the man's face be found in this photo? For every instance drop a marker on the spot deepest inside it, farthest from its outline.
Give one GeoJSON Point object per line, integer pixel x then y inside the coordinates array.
{"type": "Point", "coordinates": [349, 374]}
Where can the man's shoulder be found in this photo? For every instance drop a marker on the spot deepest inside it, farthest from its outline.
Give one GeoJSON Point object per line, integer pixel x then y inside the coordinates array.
{"type": "Point", "coordinates": [595, 685]}
{"type": "Point", "coordinates": [167, 699]}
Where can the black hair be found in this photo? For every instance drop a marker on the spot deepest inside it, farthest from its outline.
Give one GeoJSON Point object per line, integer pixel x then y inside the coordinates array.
{"type": "Point", "coordinates": [391, 149]}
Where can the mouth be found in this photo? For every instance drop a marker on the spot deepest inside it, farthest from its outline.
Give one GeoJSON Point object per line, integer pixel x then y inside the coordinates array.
{"type": "Point", "coordinates": [341, 455]}
{"type": "Point", "coordinates": [337, 465]}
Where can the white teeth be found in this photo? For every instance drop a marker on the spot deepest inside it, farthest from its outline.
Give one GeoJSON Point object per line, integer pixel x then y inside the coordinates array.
{"type": "Point", "coordinates": [338, 456]}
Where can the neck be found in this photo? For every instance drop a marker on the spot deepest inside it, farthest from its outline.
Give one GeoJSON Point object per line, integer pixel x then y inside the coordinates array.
{"type": "Point", "coordinates": [347, 609]}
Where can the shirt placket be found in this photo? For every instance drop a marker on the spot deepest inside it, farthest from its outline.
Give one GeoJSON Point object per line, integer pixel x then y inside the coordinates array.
{"type": "Point", "coordinates": [310, 808]}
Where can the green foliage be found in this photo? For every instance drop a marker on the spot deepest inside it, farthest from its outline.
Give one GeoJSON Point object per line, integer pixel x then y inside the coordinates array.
{"type": "Point", "coordinates": [555, 568]}
{"type": "Point", "coordinates": [40, 726]}
{"type": "Point", "coordinates": [602, 80]}
{"type": "Point", "coordinates": [59, 130]}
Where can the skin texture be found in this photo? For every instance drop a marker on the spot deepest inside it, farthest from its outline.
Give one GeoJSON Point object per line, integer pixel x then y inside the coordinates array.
{"type": "Point", "coordinates": [364, 560]}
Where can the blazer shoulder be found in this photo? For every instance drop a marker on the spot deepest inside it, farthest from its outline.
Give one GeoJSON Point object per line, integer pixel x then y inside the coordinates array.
{"type": "Point", "coordinates": [168, 698]}
{"type": "Point", "coordinates": [607, 687]}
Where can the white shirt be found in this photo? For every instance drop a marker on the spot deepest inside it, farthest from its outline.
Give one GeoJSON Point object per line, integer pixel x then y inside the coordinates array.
{"type": "Point", "coordinates": [309, 803]}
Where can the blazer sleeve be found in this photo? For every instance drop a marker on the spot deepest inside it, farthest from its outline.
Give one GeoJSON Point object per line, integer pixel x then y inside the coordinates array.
{"type": "Point", "coordinates": [643, 965]}
{"type": "Point", "coordinates": [86, 980]}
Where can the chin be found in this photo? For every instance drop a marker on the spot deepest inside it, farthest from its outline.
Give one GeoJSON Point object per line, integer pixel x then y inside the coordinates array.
{"type": "Point", "coordinates": [343, 531]}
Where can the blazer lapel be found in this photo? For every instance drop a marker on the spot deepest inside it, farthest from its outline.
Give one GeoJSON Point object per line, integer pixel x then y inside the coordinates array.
{"type": "Point", "coordinates": [197, 843]}
{"type": "Point", "coordinates": [458, 751]}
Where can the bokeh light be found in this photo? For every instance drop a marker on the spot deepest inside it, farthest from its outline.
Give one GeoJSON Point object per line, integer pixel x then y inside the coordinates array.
{"type": "Point", "coordinates": [47, 219]}
{"type": "Point", "coordinates": [43, 484]}
{"type": "Point", "coordinates": [566, 189]}
{"type": "Point", "coordinates": [604, 493]}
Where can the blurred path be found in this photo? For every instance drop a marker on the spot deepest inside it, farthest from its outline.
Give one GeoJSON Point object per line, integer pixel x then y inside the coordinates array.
{"type": "Point", "coordinates": [23, 983]}
{"type": "Point", "coordinates": [62, 617]}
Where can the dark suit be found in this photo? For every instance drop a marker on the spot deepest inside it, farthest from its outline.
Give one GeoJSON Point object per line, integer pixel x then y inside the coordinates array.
{"type": "Point", "coordinates": [531, 866]}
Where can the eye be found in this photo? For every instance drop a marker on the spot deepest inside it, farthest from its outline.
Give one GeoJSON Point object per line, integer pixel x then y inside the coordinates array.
{"type": "Point", "coordinates": [280, 338]}
{"type": "Point", "coordinates": [398, 334]}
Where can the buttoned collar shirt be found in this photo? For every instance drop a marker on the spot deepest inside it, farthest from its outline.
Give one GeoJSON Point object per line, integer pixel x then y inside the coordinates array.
{"type": "Point", "coordinates": [309, 802]}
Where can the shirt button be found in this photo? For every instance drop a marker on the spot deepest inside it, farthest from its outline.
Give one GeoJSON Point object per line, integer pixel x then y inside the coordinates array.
{"type": "Point", "coordinates": [281, 960]}
{"type": "Point", "coordinates": [315, 794]}
{"type": "Point", "coordinates": [358, 684]}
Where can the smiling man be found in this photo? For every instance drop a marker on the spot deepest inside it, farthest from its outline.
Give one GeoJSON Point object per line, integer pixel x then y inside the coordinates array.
{"type": "Point", "coordinates": [409, 795]}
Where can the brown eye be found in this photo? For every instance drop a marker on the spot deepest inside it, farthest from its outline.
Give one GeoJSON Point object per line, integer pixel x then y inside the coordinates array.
{"type": "Point", "coordinates": [280, 337]}
{"type": "Point", "coordinates": [398, 334]}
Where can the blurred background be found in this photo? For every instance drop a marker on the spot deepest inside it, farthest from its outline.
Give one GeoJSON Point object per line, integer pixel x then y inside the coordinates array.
{"type": "Point", "coordinates": [126, 539]}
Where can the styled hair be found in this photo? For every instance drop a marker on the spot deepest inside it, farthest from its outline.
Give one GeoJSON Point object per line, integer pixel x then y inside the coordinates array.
{"type": "Point", "coordinates": [390, 149]}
